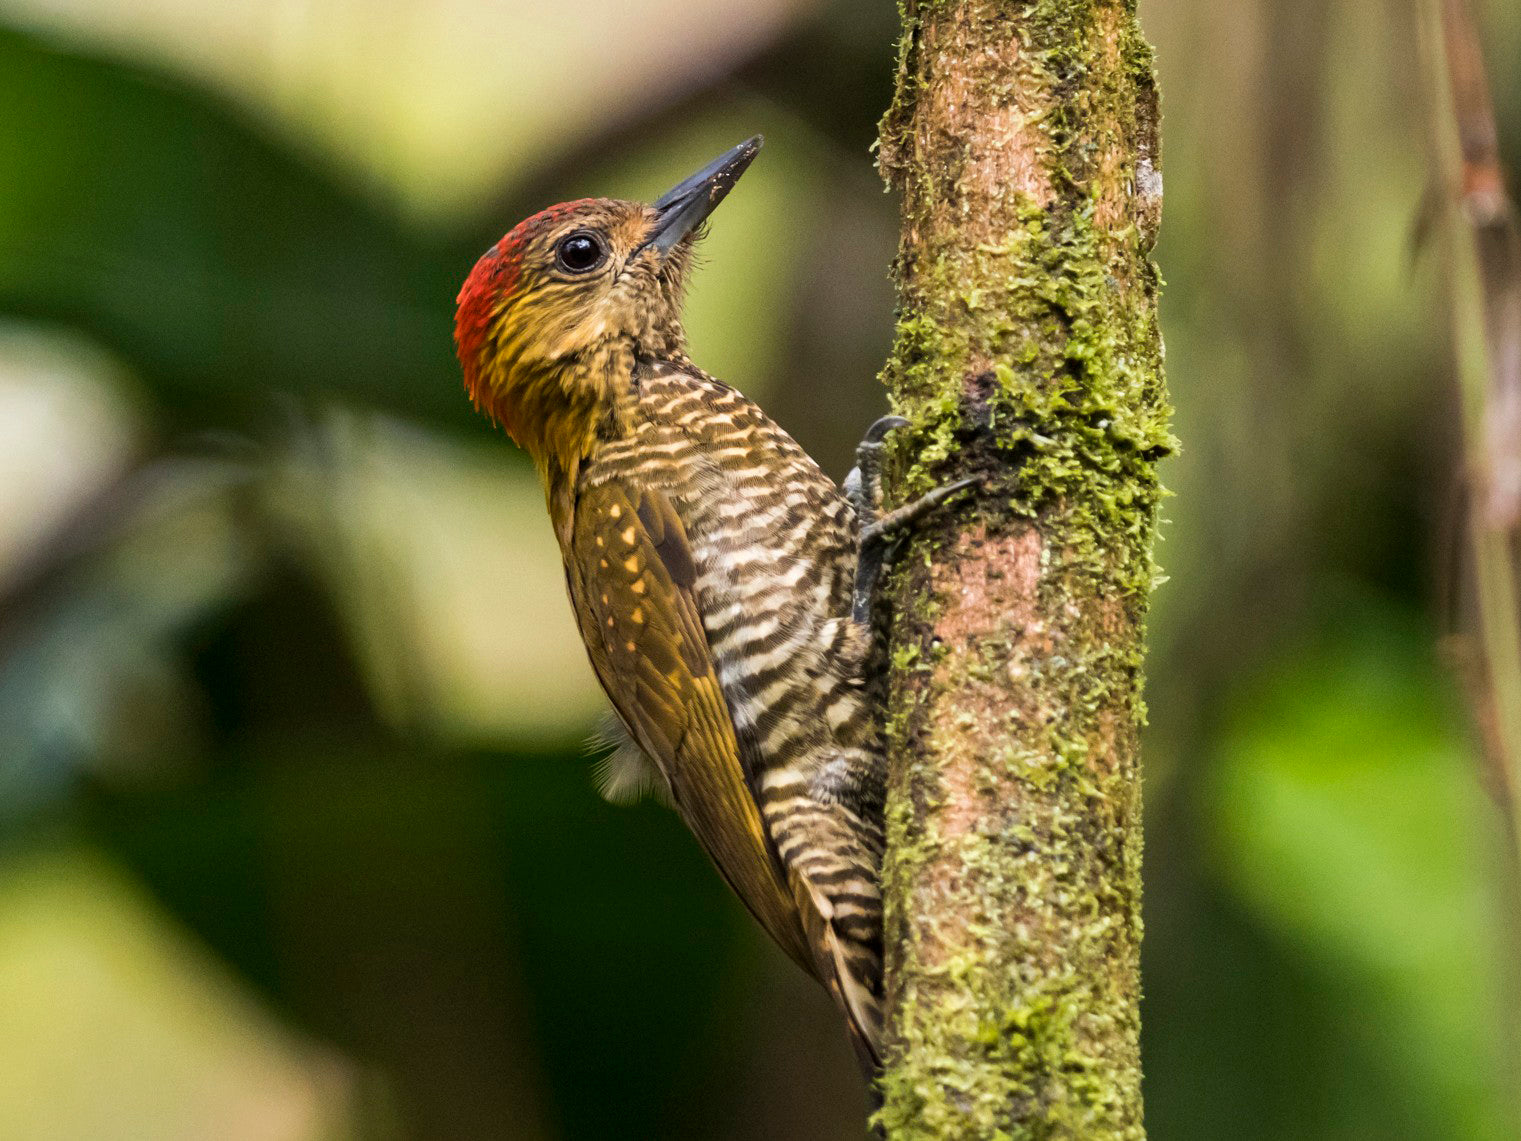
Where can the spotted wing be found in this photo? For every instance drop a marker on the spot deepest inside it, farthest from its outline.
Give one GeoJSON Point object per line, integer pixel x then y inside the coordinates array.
{"type": "Point", "coordinates": [633, 578]}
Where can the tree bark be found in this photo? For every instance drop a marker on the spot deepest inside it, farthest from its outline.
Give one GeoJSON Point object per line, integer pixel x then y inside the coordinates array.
{"type": "Point", "coordinates": [1023, 140]}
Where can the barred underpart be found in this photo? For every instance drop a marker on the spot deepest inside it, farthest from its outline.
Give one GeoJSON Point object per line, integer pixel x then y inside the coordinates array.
{"type": "Point", "coordinates": [692, 490]}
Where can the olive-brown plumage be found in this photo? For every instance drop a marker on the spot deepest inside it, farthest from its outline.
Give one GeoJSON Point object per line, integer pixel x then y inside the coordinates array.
{"type": "Point", "coordinates": [710, 564]}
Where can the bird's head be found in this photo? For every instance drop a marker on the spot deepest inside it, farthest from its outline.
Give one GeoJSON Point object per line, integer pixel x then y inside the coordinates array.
{"type": "Point", "coordinates": [546, 310]}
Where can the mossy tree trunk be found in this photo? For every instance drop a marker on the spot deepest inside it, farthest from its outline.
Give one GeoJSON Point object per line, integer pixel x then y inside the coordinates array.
{"type": "Point", "coordinates": [1023, 140]}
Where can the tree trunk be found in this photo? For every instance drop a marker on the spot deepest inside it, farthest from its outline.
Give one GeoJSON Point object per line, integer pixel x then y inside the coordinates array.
{"type": "Point", "coordinates": [1023, 139]}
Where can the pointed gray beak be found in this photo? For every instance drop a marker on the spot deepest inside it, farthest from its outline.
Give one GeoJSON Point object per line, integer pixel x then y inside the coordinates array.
{"type": "Point", "coordinates": [686, 205]}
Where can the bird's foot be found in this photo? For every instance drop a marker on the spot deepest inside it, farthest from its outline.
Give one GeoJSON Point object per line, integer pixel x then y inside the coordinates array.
{"type": "Point", "coordinates": [863, 485]}
{"type": "Point", "coordinates": [881, 534]}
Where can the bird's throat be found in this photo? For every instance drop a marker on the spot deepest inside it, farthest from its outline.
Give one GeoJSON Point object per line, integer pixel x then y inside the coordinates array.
{"type": "Point", "coordinates": [557, 411]}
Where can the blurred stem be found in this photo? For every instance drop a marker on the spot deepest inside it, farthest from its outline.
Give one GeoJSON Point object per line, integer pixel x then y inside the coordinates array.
{"type": "Point", "coordinates": [1484, 247]}
{"type": "Point", "coordinates": [1023, 138]}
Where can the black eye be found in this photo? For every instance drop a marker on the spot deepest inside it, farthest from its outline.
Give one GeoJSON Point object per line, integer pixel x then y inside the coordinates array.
{"type": "Point", "coordinates": [580, 252]}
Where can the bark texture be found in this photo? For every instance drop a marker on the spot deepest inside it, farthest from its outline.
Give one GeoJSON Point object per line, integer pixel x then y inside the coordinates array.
{"type": "Point", "coordinates": [1023, 140]}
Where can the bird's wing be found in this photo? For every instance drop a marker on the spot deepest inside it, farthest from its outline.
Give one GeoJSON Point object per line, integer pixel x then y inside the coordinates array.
{"type": "Point", "coordinates": [632, 575]}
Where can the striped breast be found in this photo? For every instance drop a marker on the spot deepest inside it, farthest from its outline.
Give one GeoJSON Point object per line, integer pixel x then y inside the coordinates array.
{"type": "Point", "coordinates": [773, 541]}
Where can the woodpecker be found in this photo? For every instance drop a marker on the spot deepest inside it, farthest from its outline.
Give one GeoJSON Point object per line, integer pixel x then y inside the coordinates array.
{"type": "Point", "coordinates": [719, 578]}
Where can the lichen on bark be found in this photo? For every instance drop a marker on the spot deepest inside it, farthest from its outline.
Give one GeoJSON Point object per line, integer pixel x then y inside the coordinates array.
{"type": "Point", "coordinates": [1023, 140]}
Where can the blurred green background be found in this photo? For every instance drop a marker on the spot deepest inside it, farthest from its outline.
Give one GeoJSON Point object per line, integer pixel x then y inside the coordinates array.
{"type": "Point", "coordinates": [297, 834]}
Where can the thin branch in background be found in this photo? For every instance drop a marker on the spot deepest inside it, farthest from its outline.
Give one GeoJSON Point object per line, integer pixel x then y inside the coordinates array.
{"type": "Point", "coordinates": [1497, 243]}
{"type": "Point", "coordinates": [1485, 281]}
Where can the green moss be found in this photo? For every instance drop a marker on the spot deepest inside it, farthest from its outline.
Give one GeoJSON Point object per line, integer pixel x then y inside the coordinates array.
{"type": "Point", "coordinates": [1069, 405]}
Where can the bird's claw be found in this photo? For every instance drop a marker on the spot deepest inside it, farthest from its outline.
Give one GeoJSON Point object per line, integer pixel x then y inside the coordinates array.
{"type": "Point", "coordinates": [880, 534]}
{"type": "Point", "coordinates": [864, 483]}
